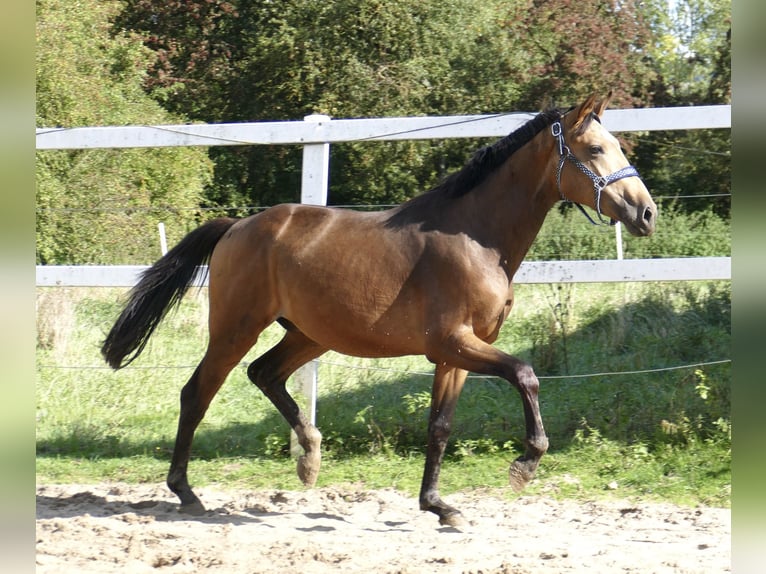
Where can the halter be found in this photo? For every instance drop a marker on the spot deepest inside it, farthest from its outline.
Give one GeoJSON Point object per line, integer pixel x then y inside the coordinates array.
{"type": "Point", "coordinates": [599, 182]}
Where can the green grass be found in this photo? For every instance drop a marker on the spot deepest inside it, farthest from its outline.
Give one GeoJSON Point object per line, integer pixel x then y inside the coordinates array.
{"type": "Point", "coordinates": [659, 435]}
{"type": "Point", "coordinates": [688, 477]}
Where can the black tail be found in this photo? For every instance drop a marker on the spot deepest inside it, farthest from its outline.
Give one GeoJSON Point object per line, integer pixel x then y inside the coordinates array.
{"type": "Point", "coordinates": [160, 288]}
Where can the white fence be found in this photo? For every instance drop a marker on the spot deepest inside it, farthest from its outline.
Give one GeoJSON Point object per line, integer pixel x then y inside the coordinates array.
{"type": "Point", "coordinates": [323, 130]}
{"type": "Point", "coordinates": [317, 132]}
{"type": "Point", "coordinates": [593, 271]}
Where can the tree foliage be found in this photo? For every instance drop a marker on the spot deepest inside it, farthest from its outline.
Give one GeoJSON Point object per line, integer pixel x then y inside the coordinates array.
{"type": "Point", "coordinates": [143, 61]}
{"type": "Point", "coordinates": [690, 53]}
{"type": "Point", "coordinates": [103, 206]}
{"type": "Point", "coordinates": [242, 61]}
{"type": "Point", "coordinates": [576, 47]}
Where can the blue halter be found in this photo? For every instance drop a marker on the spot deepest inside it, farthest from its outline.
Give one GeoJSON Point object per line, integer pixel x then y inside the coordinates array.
{"type": "Point", "coordinates": [599, 182]}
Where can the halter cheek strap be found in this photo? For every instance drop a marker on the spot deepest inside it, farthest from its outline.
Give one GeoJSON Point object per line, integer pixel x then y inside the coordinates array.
{"type": "Point", "coordinates": [599, 181]}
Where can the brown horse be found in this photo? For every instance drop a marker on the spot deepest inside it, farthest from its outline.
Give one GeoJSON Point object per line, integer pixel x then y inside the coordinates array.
{"type": "Point", "coordinates": [432, 277]}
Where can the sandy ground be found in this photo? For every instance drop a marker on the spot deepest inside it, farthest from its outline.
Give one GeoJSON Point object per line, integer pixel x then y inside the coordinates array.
{"type": "Point", "coordinates": [129, 528]}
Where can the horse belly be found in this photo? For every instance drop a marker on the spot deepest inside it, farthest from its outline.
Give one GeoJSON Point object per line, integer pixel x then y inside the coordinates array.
{"type": "Point", "coordinates": [355, 318]}
{"type": "Point", "coordinates": [346, 288]}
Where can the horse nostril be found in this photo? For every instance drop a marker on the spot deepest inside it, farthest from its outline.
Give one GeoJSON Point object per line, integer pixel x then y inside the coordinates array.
{"type": "Point", "coordinates": [648, 214]}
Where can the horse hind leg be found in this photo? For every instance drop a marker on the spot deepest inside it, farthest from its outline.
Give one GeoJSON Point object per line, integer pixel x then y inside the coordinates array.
{"type": "Point", "coordinates": [223, 353]}
{"type": "Point", "coordinates": [270, 373]}
{"type": "Point", "coordinates": [196, 397]}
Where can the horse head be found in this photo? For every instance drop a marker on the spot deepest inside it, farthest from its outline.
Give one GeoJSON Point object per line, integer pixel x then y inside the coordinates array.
{"type": "Point", "coordinates": [603, 178]}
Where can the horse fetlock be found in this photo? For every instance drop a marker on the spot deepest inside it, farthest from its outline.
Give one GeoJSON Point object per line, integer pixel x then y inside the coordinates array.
{"type": "Point", "coordinates": [536, 447]}
{"type": "Point", "coordinates": [179, 485]}
{"type": "Point", "coordinates": [448, 516]}
{"type": "Point", "coordinates": [429, 501]}
{"type": "Point", "coordinates": [309, 437]}
{"type": "Point", "coordinates": [523, 469]}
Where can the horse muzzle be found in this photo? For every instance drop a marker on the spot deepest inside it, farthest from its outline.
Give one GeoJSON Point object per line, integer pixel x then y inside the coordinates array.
{"type": "Point", "coordinates": [640, 220]}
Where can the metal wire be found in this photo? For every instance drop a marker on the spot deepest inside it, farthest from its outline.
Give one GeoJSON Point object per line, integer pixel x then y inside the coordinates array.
{"type": "Point", "coordinates": [416, 373]}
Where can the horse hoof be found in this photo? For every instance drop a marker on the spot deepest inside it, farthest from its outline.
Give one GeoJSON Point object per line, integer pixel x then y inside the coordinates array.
{"type": "Point", "coordinates": [520, 473]}
{"type": "Point", "coordinates": [308, 469]}
{"type": "Point", "coordinates": [453, 519]}
{"type": "Point", "coordinates": [193, 508]}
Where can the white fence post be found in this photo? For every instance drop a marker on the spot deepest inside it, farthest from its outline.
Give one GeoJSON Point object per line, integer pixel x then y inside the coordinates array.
{"type": "Point", "coordinates": [314, 178]}
{"type": "Point", "coordinates": [618, 239]}
{"type": "Point", "coordinates": [163, 238]}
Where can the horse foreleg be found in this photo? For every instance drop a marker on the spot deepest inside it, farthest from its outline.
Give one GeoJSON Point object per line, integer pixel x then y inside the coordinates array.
{"type": "Point", "coordinates": [448, 382]}
{"type": "Point", "coordinates": [472, 354]}
{"type": "Point", "coordinates": [523, 469]}
{"type": "Point", "coordinates": [270, 373]}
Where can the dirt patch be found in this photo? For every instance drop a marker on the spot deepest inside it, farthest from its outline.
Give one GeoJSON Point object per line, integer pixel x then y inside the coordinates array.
{"type": "Point", "coordinates": [129, 528]}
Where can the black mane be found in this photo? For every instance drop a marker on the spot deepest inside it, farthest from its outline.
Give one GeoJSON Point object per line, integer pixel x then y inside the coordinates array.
{"type": "Point", "coordinates": [425, 207]}
{"type": "Point", "coordinates": [487, 159]}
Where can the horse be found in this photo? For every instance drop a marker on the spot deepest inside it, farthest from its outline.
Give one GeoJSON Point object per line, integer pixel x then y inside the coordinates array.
{"type": "Point", "coordinates": [432, 276]}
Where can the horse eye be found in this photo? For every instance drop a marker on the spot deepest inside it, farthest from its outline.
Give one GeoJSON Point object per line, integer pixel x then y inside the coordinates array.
{"type": "Point", "coordinates": [596, 150]}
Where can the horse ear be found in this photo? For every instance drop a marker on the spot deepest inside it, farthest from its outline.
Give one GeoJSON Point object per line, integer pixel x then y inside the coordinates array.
{"type": "Point", "coordinates": [584, 111]}
{"type": "Point", "coordinates": [601, 106]}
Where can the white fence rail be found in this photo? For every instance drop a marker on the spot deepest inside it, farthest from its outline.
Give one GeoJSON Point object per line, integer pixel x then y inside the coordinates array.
{"type": "Point", "coordinates": [323, 130]}
{"type": "Point", "coordinates": [588, 271]}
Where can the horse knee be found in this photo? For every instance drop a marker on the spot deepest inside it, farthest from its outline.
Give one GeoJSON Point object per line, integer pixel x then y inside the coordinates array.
{"type": "Point", "coordinates": [190, 392]}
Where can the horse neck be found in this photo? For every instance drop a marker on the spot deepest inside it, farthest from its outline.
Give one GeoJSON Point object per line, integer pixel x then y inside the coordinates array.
{"type": "Point", "coordinates": [508, 209]}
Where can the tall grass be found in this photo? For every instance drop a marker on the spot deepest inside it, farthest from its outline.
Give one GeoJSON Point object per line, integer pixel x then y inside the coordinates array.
{"type": "Point", "coordinates": [665, 432]}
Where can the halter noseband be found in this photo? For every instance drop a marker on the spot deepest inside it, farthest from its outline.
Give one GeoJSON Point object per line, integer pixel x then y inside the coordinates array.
{"type": "Point", "coordinates": [599, 182]}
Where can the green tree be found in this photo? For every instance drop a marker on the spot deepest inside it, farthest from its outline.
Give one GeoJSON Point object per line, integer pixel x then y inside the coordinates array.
{"type": "Point", "coordinates": [691, 55]}
{"type": "Point", "coordinates": [690, 50]}
{"type": "Point", "coordinates": [229, 60]}
{"type": "Point", "coordinates": [575, 48]}
{"type": "Point", "coordinates": [103, 206]}
{"type": "Point", "coordinates": [246, 61]}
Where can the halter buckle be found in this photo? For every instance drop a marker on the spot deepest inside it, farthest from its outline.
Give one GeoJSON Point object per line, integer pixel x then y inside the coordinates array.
{"type": "Point", "coordinates": [558, 133]}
